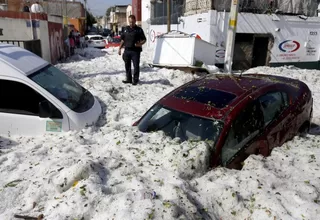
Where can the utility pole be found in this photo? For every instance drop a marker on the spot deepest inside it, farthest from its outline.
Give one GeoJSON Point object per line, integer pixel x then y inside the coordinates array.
{"type": "Point", "coordinates": [85, 16]}
{"type": "Point", "coordinates": [168, 15]}
{"type": "Point", "coordinates": [65, 18]}
{"type": "Point", "coordinates": [228, 60]}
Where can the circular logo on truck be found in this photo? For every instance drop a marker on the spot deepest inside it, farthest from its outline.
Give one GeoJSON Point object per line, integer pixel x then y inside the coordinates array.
{"type": "Point", "coordinates": [289, 46]}
{"type": "Point", "coordinates": [152, 35]}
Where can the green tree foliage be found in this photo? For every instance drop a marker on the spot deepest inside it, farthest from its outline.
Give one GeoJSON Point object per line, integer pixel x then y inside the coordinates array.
{"type": "Point", "coordinates": [90, 19]}
{"type": "Point", "coordinates": [109, 10]}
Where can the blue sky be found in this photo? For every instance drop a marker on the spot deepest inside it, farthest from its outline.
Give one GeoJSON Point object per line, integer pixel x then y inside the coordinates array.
{"type": "Point", "coordinates": [99, 7]}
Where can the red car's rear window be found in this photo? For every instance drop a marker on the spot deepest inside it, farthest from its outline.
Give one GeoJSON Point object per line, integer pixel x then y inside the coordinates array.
{"type": "Point", "coordinates": [215, 98]}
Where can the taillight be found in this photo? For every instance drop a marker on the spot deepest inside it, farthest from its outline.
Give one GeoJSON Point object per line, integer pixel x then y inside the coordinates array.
{"type": "Point", "coordinates": [105, 41]}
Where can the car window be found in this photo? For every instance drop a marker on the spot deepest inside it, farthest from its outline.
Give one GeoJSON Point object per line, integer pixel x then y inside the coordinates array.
{"type": "Point", "coordinates": [116, 40]}
{"type": "Point", "coordinates": [272, 105]}
{"type": "Point", "coordinates": [96, 38]}
{"type": "Point", "coordinates": [180, 125]}
{"type": "Point", "coordinates": [86, 38]}
{"type": "Point", "coordinates": [64, 88]}
{"type": "Point", "coordinates": [18, 98]}
{"type": "Point", "coordinates": [246, 126]}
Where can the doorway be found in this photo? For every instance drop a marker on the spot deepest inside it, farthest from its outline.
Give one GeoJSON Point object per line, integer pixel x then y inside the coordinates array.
{"type": "Point", "coordinates": [260, 51]}
{"type": "Point", "coordinates": [252, 50]}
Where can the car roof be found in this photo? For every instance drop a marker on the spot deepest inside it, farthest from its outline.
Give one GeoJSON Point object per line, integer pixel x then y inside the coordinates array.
{"type": "Point", "coordinates": [214, 95]}
{"type": "Point", "coordinates": [94, 35]}
{"type": "Point", "coordinates": [19, 59]}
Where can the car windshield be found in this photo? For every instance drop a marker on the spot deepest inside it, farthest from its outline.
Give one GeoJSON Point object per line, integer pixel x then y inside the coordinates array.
{"type": "Point", "coordinates": [96, 38]}
{"type": "Point", "coordinates": [116, 40]}
{"type": "Point", "coordinates": [63, 88]}
{"type": "Point", "coordinates": [178, 124]}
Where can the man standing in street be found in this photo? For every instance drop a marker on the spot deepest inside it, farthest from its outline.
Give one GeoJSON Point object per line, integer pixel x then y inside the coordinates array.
{"type": "Point", "coordinates": [132, 40]}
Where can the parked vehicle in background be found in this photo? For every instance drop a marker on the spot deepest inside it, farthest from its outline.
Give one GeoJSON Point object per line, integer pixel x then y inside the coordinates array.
{"type": "Point", "coordinates": [37, 98]}
{"type": "Point", "coordinates": [106, 32]}
{"type": "Point", "coordinates": [236, 115]}
{"type": "Point", "coordinates": [113, 42]}
{"type": "Point", "coordinates": [96, 41]}
{"type": "Point", "coordinates": [92, 31]}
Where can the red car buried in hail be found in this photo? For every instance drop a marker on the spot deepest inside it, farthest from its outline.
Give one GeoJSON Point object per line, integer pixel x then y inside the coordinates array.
{"type": "Point", "coordinates": [237, 115]}
{"type": "Point", "coordinates": [114, 42]}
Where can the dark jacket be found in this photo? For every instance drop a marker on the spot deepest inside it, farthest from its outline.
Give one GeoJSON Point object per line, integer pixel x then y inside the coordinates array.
{"type": "Point", "coordinates": [131, 36]}
{"type": "Point", "coordinates": [26, 9]}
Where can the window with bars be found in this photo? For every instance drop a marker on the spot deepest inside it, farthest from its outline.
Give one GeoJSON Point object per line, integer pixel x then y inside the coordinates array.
{"type": "Point", "coordinates": [159, 12]}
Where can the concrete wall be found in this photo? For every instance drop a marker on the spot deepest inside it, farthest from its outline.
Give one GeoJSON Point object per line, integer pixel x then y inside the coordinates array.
{"type": "Point", "coordinates": [10, 22]}
{"type": "Point", "coordinates": [74, 9]}
{"type": "Point", "coordinates": [43, 35]}
{"type": "Point", "coordinates": [10, 27]}
{"type": "Point", "coordinates": [121, 9]}
{"type": "Point", "coordinates": [197, 7]}
{"type": "Point", "coordinates": [121, 20]}
{"type": "Point", "coordinates": [145, 10]}
{"type": "Point", "coordinates": [16, 5]}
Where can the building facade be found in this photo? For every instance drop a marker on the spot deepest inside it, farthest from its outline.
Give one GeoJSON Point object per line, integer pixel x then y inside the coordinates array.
{"type": "Point", "coordinates": [118, 18]}
{"type": "Point", "coordinates": [269, 33]}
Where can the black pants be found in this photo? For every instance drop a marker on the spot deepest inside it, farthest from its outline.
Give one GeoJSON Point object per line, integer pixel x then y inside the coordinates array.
{"type": "Point", "coordinates": [133, 56]}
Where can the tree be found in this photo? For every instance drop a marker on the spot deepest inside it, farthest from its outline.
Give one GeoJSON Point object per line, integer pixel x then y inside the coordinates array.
{"type": "Point", "coordinates": [109, 10]}
{"type": "Point", "coordinates": [90, 19]}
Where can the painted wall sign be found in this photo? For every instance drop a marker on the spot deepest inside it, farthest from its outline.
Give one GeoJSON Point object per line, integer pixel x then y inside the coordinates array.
{"type": "Point", "coordinates": [289, 46]}
{"type": "Point", "coordinates": [220, 53]}
{"type": "Point", "coordinates": [313, 33]}
{"type": "Point", "coordinates": [56, 41]}
{"type": "Point", "coordinates": [311, 51]}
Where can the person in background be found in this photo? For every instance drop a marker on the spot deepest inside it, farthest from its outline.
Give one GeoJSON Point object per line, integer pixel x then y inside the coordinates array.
{"type": "Point", "coordinates": [36, 8]}
{"type": "Point", "coordinates": [78, 39]}
{"type": "Point", "coordinates": [67, 47]}
{"type": "Point", "coordinates": [72, 44]}
{"type": "Point", "coordinates": [82, 42]}
{"type": "Point", "coordinates": [132, 40]}
{"type": "Point", "coordinates": [26, 7]}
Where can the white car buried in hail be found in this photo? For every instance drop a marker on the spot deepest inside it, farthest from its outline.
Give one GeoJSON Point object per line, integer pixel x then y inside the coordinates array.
{"type": "Point", "coordinates": [37, 98]}
{"type": "Point", "coordinates": [96, 41]}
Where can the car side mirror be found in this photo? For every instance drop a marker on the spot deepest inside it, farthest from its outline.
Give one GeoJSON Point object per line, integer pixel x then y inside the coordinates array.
{"type": "Point", "coordinates": [45, 109]}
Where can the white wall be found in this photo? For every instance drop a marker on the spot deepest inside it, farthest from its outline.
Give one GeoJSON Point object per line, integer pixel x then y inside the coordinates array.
{"type": "Point", "coordinates": [129, 12]}
{"type": "Point", "coordinates": [305, 32]}
{"type": "Point", "coordinates": [198, 23]}
{"type": "Point", "coordinates": [212, 27]}
{"type": "Point", "coordinates": [39, 31]}
{"type": "Point", "coordinates": [43, 35]}
{"type": "Point", "coordinates": [10, 27]}
{"type": "Point", "coordinates": [145, 10]}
